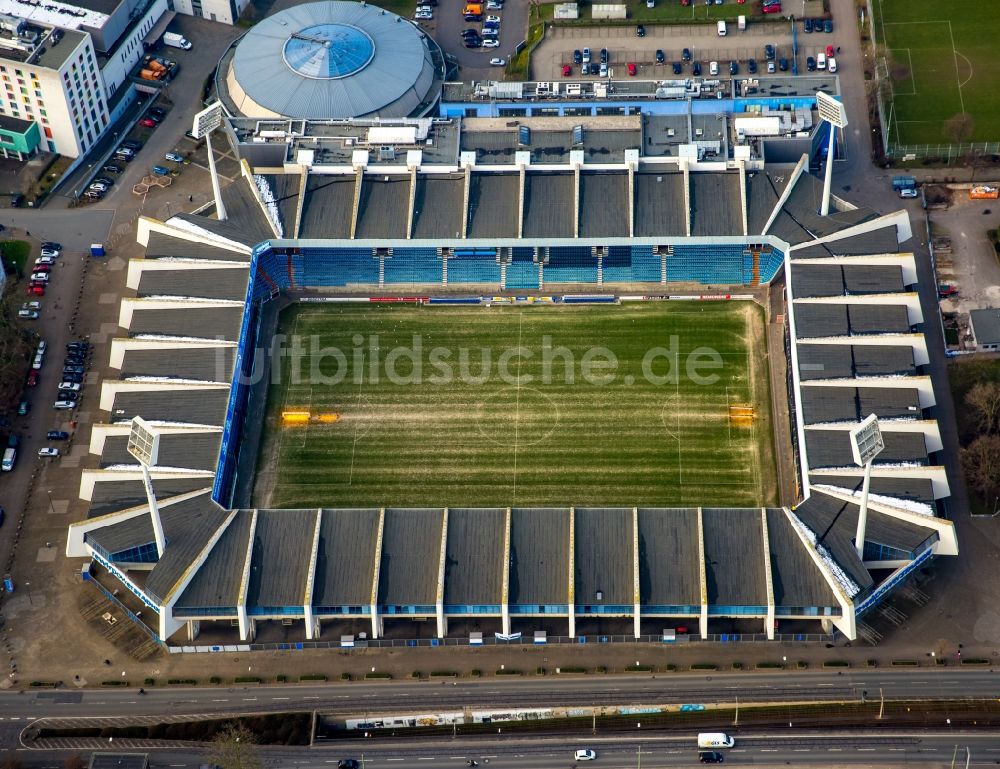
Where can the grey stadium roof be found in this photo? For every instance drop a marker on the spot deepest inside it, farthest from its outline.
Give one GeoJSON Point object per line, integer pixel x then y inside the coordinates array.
{"type": "Point", "coordinates": [552, 554]}
{"type": "Point", "coordinates": [271, 74]}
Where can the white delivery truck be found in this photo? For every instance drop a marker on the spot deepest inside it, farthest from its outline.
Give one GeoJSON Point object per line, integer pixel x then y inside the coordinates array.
{"type": "Point", "coordinates": [176, 41]}
{"type": "Point", "coordinates": [715, 740]}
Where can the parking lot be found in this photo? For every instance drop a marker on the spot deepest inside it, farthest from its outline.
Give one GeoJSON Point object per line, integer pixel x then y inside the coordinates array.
{"type": "Point", "coordinates": [625, 47]}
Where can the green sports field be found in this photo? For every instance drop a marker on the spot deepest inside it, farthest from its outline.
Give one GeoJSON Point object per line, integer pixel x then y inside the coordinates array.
{"type": "Point", "coordinates": [552, 420]}
{"type": "Point", "coordinates": [943, 62]}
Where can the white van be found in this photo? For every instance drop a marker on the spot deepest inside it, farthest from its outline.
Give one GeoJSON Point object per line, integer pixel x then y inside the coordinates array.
{"type": "Point", "coordinates": [722, 29]}
{"type": "Point", "coordinates": [831, 64]}
{"type": "Point", "coordinates": [820, 61]}
{"type": "Point", "coordinates": [715, 740]}
{"type": "Point", "coordinates": [9, 457]}
{"type": "Point", "coordinates": [741, 23]}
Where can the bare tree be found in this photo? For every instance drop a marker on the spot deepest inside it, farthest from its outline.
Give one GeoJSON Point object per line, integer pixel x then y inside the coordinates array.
{"type": "Point", "coordinates": [959, 128]}
{"type": "Point", "coordinates": [984, 400]}
{"type": "Point", "coordinates": [234, 748]}
{"type": "Point", "coordinates": [982, 465]}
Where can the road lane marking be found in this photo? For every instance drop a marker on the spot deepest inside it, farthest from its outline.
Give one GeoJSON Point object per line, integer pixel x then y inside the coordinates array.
{"type": "Point", "coordinates": [220, 700]}
{"type": "Point", "coordinates": [281, 698]}
{"type": "Point", "coordinates": [249, 699]}
{"type": "Point", "coordinates": [864, 749]}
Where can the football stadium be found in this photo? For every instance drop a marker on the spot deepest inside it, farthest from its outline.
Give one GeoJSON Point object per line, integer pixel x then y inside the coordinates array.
{"type": "Point", "coordinates": [448, 380]}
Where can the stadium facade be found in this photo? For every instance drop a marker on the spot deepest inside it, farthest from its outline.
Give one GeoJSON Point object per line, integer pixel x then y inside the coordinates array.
{"type": "Point", "coordinates": [469, 210]}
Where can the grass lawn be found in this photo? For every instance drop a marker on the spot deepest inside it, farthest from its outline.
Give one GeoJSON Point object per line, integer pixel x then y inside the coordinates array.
{"type": "Point", "coordinates": [514, 441]}
{"type": "Point", "coordinates": [943, 62]}
{"type": "Point", "coordinates": [15, 255]}
{"type": "Point", "coordinates": [963, 374]}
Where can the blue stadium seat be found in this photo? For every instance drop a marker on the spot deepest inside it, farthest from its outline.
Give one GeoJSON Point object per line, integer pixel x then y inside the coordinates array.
{"type": "Point", "coordinates": [413, 265]}
{"type": "Point", "coordinates": [570, 264]}
{"type": "Point", "coordinates": [339, 267]}
{"type": "Point", "coordinates": [474, 266]}
{"type": "Point", "coordinates": [709, 264]}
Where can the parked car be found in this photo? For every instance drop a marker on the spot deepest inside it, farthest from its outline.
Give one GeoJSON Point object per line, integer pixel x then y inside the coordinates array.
{"type": "Point", "coordinates": [40, 277]}
{"type": "Point", "coordinates": [51, 253]}
{"type": "Point", "coordinates": [69, 376]}
{"type": "Point", "coordinates": [72, 370]}
{"type": "Point", "coordinates": [567, 70]}
{"type": "Point", "coordinates": [48, 451]}
{"type": "Point", "coordinates": [147, 122]}
{"type": "Point", "coordinates": [158, 112]}
{"type": "Point", "coordinates": [686, 54]}
{"type": "Point", "coordinates": [77, 345]}
{"type": "Point", "coordinates": [496, 62]}
{"type": "Point", "coordinates": [605, 56]}
{"type": "Point", "coordinates": [36, 289]}
{"type": "Point", "coordinates": [696, 69]}
{"type": "Point", "coordinates": [98, 187]}
{"type": "Point", "coordinates": [807, 25]}
{"type": "Point", "coordinates": [52, 245]}
{"type": "Point", "coordinates": [23, 408]}
{"type": "Point", "coordinates": [161, 171]}
{"type": "Point", "coordinates": [28, 314]}
{"type": "Point", "coordinates": [660, 56]}
{"type": "Point", "coordinates": [491, 43]}
{"type": "Point", "coordinates": [783, 64]}
{"type": "Point", "coordinates": [44, 260]}
{"type": "Point", "coordinates": [132, 144]}
{"type": "Point", "coordinates": [769, 52]}
{"type": "Point", "coordinates": [604, 71]}
{"type": "Point", "coordinates": [64, 405]}
{"type": "Point", "coordinates": [734, 68]}
{"type": "Point", "coordinates": [713, 68]}
{"type": "Point", "coordinates": [42, 268]}
{"type": "Point", "coordinates": [105, 180]}
{"type": "Point", "coordinates": [678, 68]}
{"type": "Point", "coordinates": [944, 289]}
{"type": "Point", "coordinates": [113, 168]}
{"type": "Point", "coordinates": [811, 64]}
{"type": "Point", "coordinates": [35, 305]}
{"type": "Point", "coordinates": [711, 757]}
{"type": "Point", "coordinates": [772, 8]}
{"type": "Point", "coordinates": [57, 435]}
{"type": "Point", "coordinates": [67, 385]}
{"type": "Point", "coordinates": [827, 26]}
{"type": "Point", "coordinates": [752, 66]}
{"type": "Point", "coordinates": [67, 395]}
{"type": "Point", "coordinates": [586, 56]}
{"type": "Point", "coordinates": [909, 192]}
{"type": "Point", "coordinates": [577, 57]}
{"type": "Point", "coordinates": [640, 30]}
{"type": "Point", "coordinates": [32, 380]}
{"type": "Point", "coordinates": [632, 69]}
{"type": "Point", "coordinates": [38, 360]}
{"type": "Point", "coordinates": [831, 64]}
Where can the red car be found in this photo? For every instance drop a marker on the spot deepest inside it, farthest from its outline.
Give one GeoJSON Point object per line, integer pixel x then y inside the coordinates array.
{"type": "Point", "coordinates": [685, 2]}
{"type": "Point", "coordinates": [36, 289]}
{"type": "Point", "coordinates": [567, 70]}
{"type": "Point", "coordinates": [148, 122]}
{"type": "Point", "coordinates": [42, 268]}
{"type": "Point", "coordinates": [776, 8]}
{"type": "Point", "coordinates": [829, 51]}
{"type": "Point", "coordinates": [32, 378]}
{"type": "Point", "coordinates": [631, 69]}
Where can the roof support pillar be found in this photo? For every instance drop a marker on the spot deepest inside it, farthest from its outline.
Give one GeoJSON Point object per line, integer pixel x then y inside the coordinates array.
{"type": "Point", "coordinates": [359, 178]}
{"type": "Point", "coordinates": [743, 195]}
{"type": "Point", "coordinates": [636, 597]}
{"type": "Point", "coordinates": [412, 202]}
{"type": "Point", "coordinates": [246, 624]}
{"type": "Point", "coordinates": [307, 596]}
{"type": "Point", "coordinates": [576, 201]}
{"type": "Point", "coordinates": [442, 624]}
{"type": "Point", "coordinates": [376, 620]}
{"type": "Point", "coordinates": [465, 202]}
{"type": "Point", "coordinates": [301, 202]}
{"type": "Point", "coordinates": [768, 576]}
{"type": "Point", "coordinates": [521, 175]}
{"type": "Point", "coordinates": [687, 198]}
{"type": "Point", "coordinates": [571, 582]}
{"type": "Point", "coordinates": [505, 586]}
{"type": "Point", "coordinates": [631, 201]}
{"type": "Point", "coordinates": [703, 578]}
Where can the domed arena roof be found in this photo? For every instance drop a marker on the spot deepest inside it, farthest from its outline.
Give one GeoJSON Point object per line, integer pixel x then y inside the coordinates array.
{"type": "Point", "coordinates": [331, 60]}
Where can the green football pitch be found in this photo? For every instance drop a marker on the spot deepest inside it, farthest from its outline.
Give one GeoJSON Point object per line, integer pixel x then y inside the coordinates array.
{"type": "Point", "coordinates": [943, 62]}
{"type": "Point", "coordinates": [444, 406]}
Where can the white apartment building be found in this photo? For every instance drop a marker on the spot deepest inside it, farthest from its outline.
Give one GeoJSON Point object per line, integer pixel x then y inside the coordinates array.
{"type": "Point", "coordinates": [52, 77]}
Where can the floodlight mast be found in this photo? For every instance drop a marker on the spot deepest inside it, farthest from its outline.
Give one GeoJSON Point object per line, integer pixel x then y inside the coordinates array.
{"type": "Point", "coordinates": [205, 122]}
{"type": "Point", "coordinates": [832, 111]}
{"type": "Point", "coordinates": [144, 445]}
{"type": "Point", "coordinates": [866, 444]}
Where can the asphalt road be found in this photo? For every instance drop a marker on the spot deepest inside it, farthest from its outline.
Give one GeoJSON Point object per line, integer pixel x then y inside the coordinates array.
{"type": "Point", "coordinates": [759, 749]}
{"type": "Point", "coordinates": [16, 707]}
